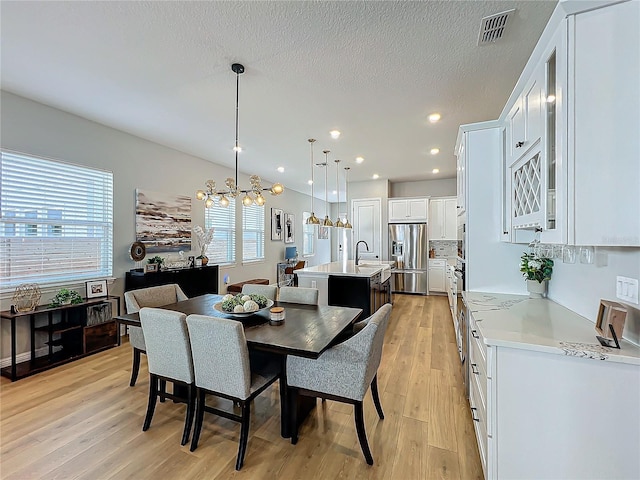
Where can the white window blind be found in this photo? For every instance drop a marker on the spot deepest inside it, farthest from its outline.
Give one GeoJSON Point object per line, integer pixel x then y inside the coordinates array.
{"type": "Point", "coordinates": [252, 233]}
{"type": "Point", "coordinates": [222, 248]}
{"type": "Point", "coordinates": [308, 244]}
{"type": "Point", "coordinates": [56, 221]}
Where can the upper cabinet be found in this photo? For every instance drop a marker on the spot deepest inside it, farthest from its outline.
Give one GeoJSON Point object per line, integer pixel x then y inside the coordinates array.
{"type": "Point", "coordinates": [443, 218]}
{"type": "Point", "coordinates": [461, 174]}
{"type": "Point", "coordinates": [408, 210]}
{"type": "Point", "coordinates": [571, 143]}
{"type": "Point", "coordinates": [367, 225]}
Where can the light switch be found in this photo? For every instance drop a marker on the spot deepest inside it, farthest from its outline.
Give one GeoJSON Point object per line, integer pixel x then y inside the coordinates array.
{"type": "Point", "coordinates": [627, 289]}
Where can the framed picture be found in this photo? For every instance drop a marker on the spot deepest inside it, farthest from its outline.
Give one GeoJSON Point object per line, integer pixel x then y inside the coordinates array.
{"type": "Point", "coordinates": [97, 288]}
{"type": "Point", "coordinates": [289, 227]}
{"type": "Point", "coordinates": [150, 267]}
{"type": "Point", "coordinates": [323, 233]}
{"type": "Point", "coordinates": [276, 224]}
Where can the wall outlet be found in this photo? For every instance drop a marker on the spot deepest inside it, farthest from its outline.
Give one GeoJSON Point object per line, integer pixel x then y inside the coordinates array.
{"type": "Point", "coordinates": [314, 284]}
{"type": "Point", "coordinates": [627, 289]}
{"type": "Point", "coordinates": [226, 279]}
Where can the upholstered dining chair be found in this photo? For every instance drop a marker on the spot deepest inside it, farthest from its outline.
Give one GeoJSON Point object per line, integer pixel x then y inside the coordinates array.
{"type": "Point", "coordinates": [308, 296]}
{"type": "Point", "coordinates": [343, 373]}
{"type": "Point", "coordinates": [147, 297]}
{"type": "Point", "coordinates": [169, 359]}
{"type": "Point", "coordinates": [222, 368]}
{"type": "Point", "coordinates": [269, 291]}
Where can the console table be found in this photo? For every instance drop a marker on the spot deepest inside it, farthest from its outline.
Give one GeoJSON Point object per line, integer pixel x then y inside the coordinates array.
{"type": "Point", "coordinates": [193, 281]}
{"type": "Point", "coordinates": [75, 335]}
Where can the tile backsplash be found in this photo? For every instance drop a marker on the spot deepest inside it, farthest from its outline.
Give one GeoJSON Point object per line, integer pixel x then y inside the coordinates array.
{"type": "Point", "coordinates": [444, 248]}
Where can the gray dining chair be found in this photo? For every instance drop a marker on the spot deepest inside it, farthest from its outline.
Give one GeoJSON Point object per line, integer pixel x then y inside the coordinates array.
{"type": "Point", "coordinates": [308, 296]}
{"type": "Point", "coordinates": [147, 297]}
{"type": "Point", "coordinates": [342, 373]}
{"type": "Point", "coordinates": [269, 291]}
{"type": "Point", "coordinates": [222, 368]}
{"type": "Point", "coordinates": [169, 359]}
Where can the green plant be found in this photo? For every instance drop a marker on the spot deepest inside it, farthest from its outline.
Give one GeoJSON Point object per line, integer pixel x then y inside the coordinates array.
{"type": "Point", "coordinates": [156, 259]}
{"type": "Point", "coordinates": [66, 297]}
{"type": "Point", "coordinates": [536, 268]}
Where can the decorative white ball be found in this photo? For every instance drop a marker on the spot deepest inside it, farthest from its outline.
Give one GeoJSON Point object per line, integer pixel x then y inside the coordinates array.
{"type": "Point", "coordinates": [245, 298]}
{"type": "Point", "coordinates": [250, 306]}
{"type": "Point", "coordinates": [228, 296]}
{"type": "Point", "coordinates": [238, 309]}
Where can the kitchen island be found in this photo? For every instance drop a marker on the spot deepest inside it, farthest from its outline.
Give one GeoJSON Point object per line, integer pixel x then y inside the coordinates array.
{"type": "Point", "coordinates": [346, 284]}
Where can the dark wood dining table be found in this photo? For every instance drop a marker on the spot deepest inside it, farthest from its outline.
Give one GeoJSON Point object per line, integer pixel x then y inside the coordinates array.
{"type": "Point", "coordinates": [308, 330]}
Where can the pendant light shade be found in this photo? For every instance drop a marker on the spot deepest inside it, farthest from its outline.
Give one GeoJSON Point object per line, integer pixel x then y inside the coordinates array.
{"type": "Point", "coordinates": [312, 220]}
{"type": "Point", "coordinates": [346, 184]}
{"type": "Point", "coordinates": [338, 223]}
{"type": "Point", "coordinates": [327, 221]}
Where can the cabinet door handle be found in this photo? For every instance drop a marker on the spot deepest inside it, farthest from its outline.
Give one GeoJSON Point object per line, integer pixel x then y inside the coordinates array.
{"type": "Point", "coordinates": [519, 144]}
{"type": "Point", "coordinates": [473, 414]}
{"type": "Point", "coordinates": [474, 369]}
{"type": "Point", "coordinates": [474, 334]}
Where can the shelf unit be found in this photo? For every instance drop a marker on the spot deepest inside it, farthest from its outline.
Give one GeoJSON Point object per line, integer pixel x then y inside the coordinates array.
{"type": "Point", "coordinates": [68, 324]}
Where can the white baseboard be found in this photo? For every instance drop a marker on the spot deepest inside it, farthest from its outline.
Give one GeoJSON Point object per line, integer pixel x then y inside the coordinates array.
{"type": "Point", "coordinates": [23, 357]}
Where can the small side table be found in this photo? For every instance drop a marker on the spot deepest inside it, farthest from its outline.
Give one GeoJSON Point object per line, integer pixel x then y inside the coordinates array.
{"type": "Point", "coordinates": [284, 279]}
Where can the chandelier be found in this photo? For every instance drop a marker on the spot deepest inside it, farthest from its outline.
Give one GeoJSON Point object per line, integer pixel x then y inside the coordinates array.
{"type": "Point", "coordinates": [251, 195]}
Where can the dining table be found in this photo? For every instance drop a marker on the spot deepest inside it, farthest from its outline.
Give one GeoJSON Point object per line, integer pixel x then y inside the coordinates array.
{"type": "Point", "coordinates": [307, 331]}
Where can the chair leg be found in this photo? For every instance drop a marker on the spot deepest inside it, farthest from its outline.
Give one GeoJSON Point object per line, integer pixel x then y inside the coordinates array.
{"type": "Point", "coordinates": [153, 396]}
{"type": "Point", "coordinates": [135, 368]}
{"type": "Point", "coordinates": [191, 403]}
{"type": "Point", "coordinates": [199, 418]}
{"type": "Point", "coordinates": [376, 398]}
{"type": "Point", "coordinates": [293, 415]}
{"type": "Point", "coordinates": [362, 435]}
{"type": "Point", "coordinates": [163, 390]}
{"type": "Point", "coordinates": [244, 433]}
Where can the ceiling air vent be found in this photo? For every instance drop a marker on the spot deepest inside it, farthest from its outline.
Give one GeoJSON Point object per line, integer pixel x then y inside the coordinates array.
{"type": "Point", "coordinates": [493, 27]}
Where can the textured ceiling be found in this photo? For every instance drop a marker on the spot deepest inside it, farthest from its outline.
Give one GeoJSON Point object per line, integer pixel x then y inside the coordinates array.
{"type": "Point", "coordinates": [373, 70]}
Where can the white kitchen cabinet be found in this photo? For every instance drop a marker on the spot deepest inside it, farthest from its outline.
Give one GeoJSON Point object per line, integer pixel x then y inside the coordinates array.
{"type": "Point", "coordinates": [367, 226]}
{"type": "Point", "coordinates": [405, 210]}
{"type": "Point", "coordinates": [461, 174]}
{"type": "Point", "coordinates": [605, 101]}
{"type": "Point", "coordinates": [443, 218]}
{"type": "Point", "coordinates": [544, 399]}
{"type": "Point", "coordinates": [437, 275]}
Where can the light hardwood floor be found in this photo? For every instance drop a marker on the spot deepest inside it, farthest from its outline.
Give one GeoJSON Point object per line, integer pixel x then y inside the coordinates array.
{"type": "Point", "coordinates": [82, 420]}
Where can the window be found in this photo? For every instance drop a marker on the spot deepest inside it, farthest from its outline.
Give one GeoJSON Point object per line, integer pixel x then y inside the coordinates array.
{"type": "Point", "coordinates": [252, 233]}
{"type": "Point", "coordinates": [56, 221]}
{"type": "Point", "coordinates": [222, 248]}
{"type": "Point", "coordinates": [308, 245]}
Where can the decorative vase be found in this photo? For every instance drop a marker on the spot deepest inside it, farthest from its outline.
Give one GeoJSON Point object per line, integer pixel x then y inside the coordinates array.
{"type": "Point", "coordinates": [204, 259]}
{"type": "Point", "coordinates": [537, 289]}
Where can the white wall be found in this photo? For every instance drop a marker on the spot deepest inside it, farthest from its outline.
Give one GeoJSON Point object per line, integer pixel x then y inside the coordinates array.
{"type": "Point", "coordinates": [34, 128]}
{"type": "Point", "coordinates": [426, 188]}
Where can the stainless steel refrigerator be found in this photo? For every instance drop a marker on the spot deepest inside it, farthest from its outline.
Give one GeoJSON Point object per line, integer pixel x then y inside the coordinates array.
{"type": "Point", "coordinates": [408, 248]}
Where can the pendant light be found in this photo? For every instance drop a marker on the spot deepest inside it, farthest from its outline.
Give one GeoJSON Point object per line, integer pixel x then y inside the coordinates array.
{"type": "Point", "coordinates": [251, 195]}
{"type": "Point", "coordinates": [338, 223]}
{"type": "Point", "coordinates": [346, 184]}
{"type": "Point", "coordinates": [312, 220]}
{"type": "Point", "coordinates": [327, 221]}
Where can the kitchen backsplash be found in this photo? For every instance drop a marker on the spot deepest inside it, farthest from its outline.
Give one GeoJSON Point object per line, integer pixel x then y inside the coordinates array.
{"type": "Point", "coordinates": [443, 248]}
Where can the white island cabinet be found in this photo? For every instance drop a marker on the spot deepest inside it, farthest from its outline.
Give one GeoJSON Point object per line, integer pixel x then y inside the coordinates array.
{"type": "Point", "coordinates": [548, 402]}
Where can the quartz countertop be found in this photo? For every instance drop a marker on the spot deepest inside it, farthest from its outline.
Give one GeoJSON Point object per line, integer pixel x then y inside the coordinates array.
{"type": "Point", "coordinates": [348, 268]}
{"type": "Point", "coordinates": [518, 321]}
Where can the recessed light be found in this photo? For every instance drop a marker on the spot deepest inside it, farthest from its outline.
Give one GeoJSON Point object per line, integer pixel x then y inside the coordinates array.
{"type": "Point", "coordinates": [435, 170]}
{"type": "Point", "coordinates": [435, 151]}
{"type": "Point", "coordinates": [434, 117]}
{"type": "Point", "coordinates": [335, 134]}
{"type": "Point", "coordinates": [359, 159]}
{"type": "Point", "coordinates": [281, 169]}
{"type": "Point", "coordinates": [310, 182]}
{"type": "Point", "coordinates": [376, 176]}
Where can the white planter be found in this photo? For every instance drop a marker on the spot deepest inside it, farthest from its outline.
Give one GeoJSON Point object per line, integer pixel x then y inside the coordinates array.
{"type": "Point", "coordinates": [537, 289]}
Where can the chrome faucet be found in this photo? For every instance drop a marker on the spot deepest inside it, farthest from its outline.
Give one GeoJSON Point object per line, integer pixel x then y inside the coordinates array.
{"type": "Point", "coordinates": [357, 253]}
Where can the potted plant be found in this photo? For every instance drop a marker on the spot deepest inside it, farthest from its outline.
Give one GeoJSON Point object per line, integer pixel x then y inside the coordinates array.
{"type": "Point", "coordinates": [66, 297]}
{"type": "Point", "coordinates": [537, 271]}
{"type": "Point", "coordinates": [204, 239]}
